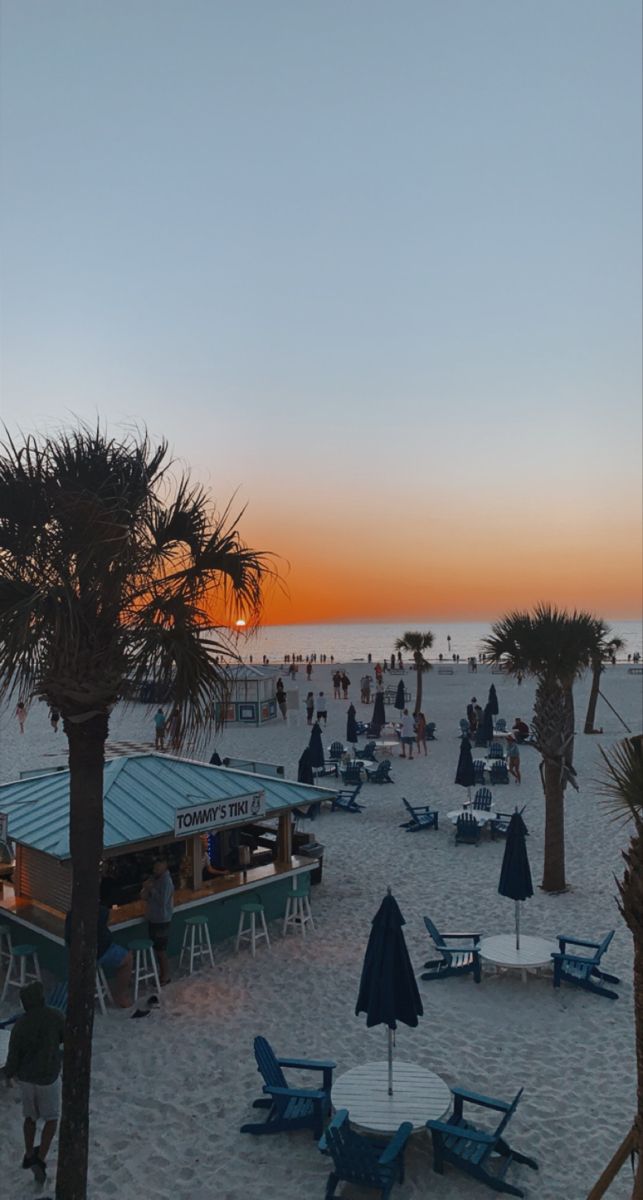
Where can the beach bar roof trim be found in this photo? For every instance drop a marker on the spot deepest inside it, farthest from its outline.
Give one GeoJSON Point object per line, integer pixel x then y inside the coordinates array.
{"type": "Point", "coordinates": [141, 793]}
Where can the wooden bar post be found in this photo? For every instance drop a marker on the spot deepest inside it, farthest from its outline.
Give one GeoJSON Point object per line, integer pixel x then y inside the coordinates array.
{"type": "Point", "coordinates": [197, 857]}
{"type": "Point", "coordinates": [284, 839]}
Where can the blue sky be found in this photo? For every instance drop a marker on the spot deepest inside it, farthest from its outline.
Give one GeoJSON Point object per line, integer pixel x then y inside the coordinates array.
{"type": "Point", "coordinates": [321, 246]}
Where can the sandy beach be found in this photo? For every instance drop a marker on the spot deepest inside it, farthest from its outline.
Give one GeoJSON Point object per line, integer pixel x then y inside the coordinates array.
{"type": "Point", "coordinates": [170, 1093]}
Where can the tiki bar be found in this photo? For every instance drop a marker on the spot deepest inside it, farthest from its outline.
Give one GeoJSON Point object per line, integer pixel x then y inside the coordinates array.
{"type": "Point", "coordinates": [224, 833]}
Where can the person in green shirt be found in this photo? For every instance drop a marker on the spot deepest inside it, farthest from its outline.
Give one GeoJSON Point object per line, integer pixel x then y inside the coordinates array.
{"type": "Point", "coordinates": [34, 1060]}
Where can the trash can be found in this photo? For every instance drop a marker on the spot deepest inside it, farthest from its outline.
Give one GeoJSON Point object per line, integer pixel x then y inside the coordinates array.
{"type": "Point", "coordinates": [313, 850]}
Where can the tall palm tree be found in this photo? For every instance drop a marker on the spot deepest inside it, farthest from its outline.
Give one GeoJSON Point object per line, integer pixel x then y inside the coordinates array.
{"type": "Point", "coordinates": [604, 647]}
{"type": "Point", "coordinates": [109, 571]}
{"type": "Point", "coordinates": [415, 644]}
{"type": "Point", "coordinates": [555, 647]}
{"type": "Point", "coordinates": [623, 783]}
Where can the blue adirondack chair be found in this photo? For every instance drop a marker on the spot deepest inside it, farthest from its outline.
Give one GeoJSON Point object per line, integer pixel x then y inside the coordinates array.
{"type": "Point", "coordinates": [347, 800]}
{"type": "Point", "coordinates": [467, 830]}
{"type": "Point", "coordinates": [495, 750]}
{"type": "Point", "coordinates": [583, 969]}
{"type": "Point", "coordinates": [57, 997]}
{"type": "Point", "coordinates": [498, 772]}
{"type": "Point", "coordinates": [336, 751]}
{"type": "Point", "coordinates": [381, 773]}
{"type": "Point", "coordinates": [454, 960]}
{"type": "Point", "coordinates": [459, 1142]}
{"type": "Point", "coordinates": [420, 817]}
{"type": "Point", "coordinates": [290, 1107]}
{"type": "Point", "coordinates": [478, 771]}
{"type": "Point", "coordinates": [367, 754]}
{"type": "Point", "coordinates": [482, 799]}
{"type": "Point", "coordinates": [464, 727]}
{"type": "Point", "coordinates": [351, 773]}
{"type": "Point", "coordinates": [430, 731]}
{"type": "Point", "coordinates": [501, 725]}
{"type": "Point", "coordinates": [363, 1160]}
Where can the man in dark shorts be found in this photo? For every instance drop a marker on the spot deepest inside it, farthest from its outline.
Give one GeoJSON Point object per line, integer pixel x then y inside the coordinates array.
{"type": "Point", "coordinates": [322, 708]}
{"type": "Point", "coordinates": [158, 894]}
{"type": "Point", "coordinates": [34, 1060]}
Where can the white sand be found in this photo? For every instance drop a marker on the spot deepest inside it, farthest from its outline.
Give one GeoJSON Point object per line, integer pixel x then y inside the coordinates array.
{"type": "Point", "coordinates": [170, 1092]}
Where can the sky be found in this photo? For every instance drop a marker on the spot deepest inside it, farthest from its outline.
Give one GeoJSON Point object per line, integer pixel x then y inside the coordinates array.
{"type": "Point", "coordinates": [374, 268]}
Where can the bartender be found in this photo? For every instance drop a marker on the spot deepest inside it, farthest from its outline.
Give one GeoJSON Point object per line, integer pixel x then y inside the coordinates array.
{"type": "Point", "coordinates": [207, 870]}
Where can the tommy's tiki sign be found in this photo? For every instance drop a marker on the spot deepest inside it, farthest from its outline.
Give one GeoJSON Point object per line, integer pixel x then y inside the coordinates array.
{"type": "Point", "coordinates": [214, 814]}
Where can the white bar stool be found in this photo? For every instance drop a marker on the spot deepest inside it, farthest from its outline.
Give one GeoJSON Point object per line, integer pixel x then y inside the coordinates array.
{"type": "Point", "coordinates": [144, 965]}
{"type": "Point", "coordinates": [5, 945]}
{"type": "Point", "coordinates": [252, 910]}
{"type": "Point", "coordinates": [196, 943]}
{"type": "Point", "coordinates": [18, 973]}
{"type": "Point", "coordinates": [103, 993]}
{"type": "Point", "coordinates": [298, 912]}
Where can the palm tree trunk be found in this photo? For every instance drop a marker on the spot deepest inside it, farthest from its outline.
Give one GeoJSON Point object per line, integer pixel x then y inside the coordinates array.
{"type": "Point", "coordinates": [631, 905]}
{"type": "Point", "coordinates": [554, 863]}
{"type": "Point", "coordinates": [570, 720]}
{"type": "Point", "coordinates": [593, 697]}
{"type": "Point", "coordinates": [86, 761]}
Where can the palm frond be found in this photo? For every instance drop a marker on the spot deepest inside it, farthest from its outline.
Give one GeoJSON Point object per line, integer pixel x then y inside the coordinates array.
{"type": "Point", "coordinates": [622, 779]}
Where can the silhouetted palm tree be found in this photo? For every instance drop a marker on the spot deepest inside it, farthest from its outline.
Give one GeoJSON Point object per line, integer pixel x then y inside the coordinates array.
{"type": "Point", "coordinates": [108, 572]}
{"type": "Point", "coordinates": [603, 649]}
{"type": "Point", "coordinates": [415, 644]}
{"type": "Point", "coordinates": [623, 783]}
{"type": "Point", "coordinates": [555, 647]}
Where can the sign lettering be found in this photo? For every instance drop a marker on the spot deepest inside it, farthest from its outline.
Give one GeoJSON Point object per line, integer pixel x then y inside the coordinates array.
{"type": "Point", "coordinates": [208, 815]}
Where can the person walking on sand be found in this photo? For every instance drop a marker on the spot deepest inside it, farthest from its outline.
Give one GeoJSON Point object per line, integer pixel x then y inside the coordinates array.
{"type": "Point", "coordinates": [346, 683]}
{"type": "Point", "coordinates": [54, 717]}
{"type": "Point", "coordinates": [322, 708]}
{"type": "Point", "coordinates": [513, 759]}
{"type": "Point", "coordinates": [280, 695]}
{"type": "Point", "coordinates": [310, 707]}
{"type": "Point", "coordinates": [337, 679]}
{"type": "Point", "coordinates": [420, 732]}
{"type": "Point", "coordinates": [34, 1060]}
{"type": "Point", "coordinates": [21, 713]}
{"type": "Point", "coordinates": [407, 733]}
{"type": "Point", "coordinates": [158, 894]}
{"type": "Point", "coordinates": [159, 729]}
{"type": "Point", "coordinates": [174, 727]}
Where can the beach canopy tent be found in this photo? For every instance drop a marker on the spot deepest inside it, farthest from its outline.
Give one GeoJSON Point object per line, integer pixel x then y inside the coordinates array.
{"type": "Point", "coordinates": [148, 800]}
{"type": "Point", "coordinates": [250, 696]}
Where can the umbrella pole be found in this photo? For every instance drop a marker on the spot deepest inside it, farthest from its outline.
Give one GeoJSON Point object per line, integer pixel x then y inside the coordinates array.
{"type": "Point", "coordinates": [390, 1062]}
{"type": "Point", "coordinates": [517, 924]}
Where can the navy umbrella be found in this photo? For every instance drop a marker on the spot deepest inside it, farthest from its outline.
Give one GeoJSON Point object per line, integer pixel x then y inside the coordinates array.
{"type": "Point", "coordinates": [400, 702]}
{"type": "Point", "coordinates": [351, 725]}
{"type": "Point", "coordinates": [465, 774]}
{"type": "Point", "coordinates": [316, 746]}
{"type": "Point", "coordinates": [388, 991]}
{"type": "Point", "coordinates": [487, 725]}
{"type": "Point", "coordinates": [493, 700]}
{"type": "Point", "coordinates": [515, 876]}
{"type": "Point", "coordinates": [305, 767]}
{"type": "Point", "coordinates": [379, 716]}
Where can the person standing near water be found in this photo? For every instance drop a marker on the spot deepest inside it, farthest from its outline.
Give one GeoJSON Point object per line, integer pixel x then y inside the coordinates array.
{"type": "Point", "coordinates": [21, 713]}
{"type": "Point", "coordinates": [310, 707]}
{"type": "Point", "coordinates": [159, 729]}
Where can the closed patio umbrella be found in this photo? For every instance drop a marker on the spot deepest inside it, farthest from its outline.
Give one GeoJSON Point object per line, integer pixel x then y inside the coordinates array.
{"type": "Point", "coordinates": [388, 991]}
{"type": "Point", "coordinates": [515, 876]}
{"type": "Point", "coordinates": [351, 725]}
{"type": "Point", "coordinates": [487, 725]}
{"type": "Point", "coordinates": [305, 768]}
{"type": "Point", "coordinates": [465, 774]}
{"type": "Point", "coordinates": [379, 716]}
{"type": "Point", "coordinates": [492, 700]}
{"type": "Point", "coordinates": [316, 746]}
{"type": "Point", "coordinates": [399, 696]}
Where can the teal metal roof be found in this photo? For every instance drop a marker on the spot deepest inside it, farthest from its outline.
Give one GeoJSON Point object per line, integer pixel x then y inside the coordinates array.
{"type": "Point", "coordinates": [140, 795]}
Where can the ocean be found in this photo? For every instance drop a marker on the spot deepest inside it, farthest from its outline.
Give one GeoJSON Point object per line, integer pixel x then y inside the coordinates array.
{"type": "Point", "coordinates": [354, 642]}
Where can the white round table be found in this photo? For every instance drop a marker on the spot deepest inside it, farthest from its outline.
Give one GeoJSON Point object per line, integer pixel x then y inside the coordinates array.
{"type": "Point", "coordinates": [500, 951]}
{"type": "Point", "coordinates": [418, 1096]}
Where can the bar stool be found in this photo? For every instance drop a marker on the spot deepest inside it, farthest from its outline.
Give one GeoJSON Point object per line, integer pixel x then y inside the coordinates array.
{"type": "Point", "coordinates": [144, 964]}
{"type": "Point", "coordinates": [252, 910]}
{"type": "Point", "coordinates": [196, 942]}
{"type": "Point", "coordinates": [18, 972]}
{"type": "Point", "coordinates": [103, 993]}
{"type": "Point", "coordinates": [298, 912]}
{"type": "Point", "coordinates": [5, 945]}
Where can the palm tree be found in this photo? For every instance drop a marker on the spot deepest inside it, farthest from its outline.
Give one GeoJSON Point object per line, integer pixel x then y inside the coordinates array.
{"type": "Point", "coordinates": [604, 647]}
{"type": "Point", "coordinates": [108, 572]}
{"type": "Point", "coordinates": [415, 644]}
{"type": "Point", "coordinates": [554, 646]}
{"type": "Point", "coordinates": [623, 783]}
